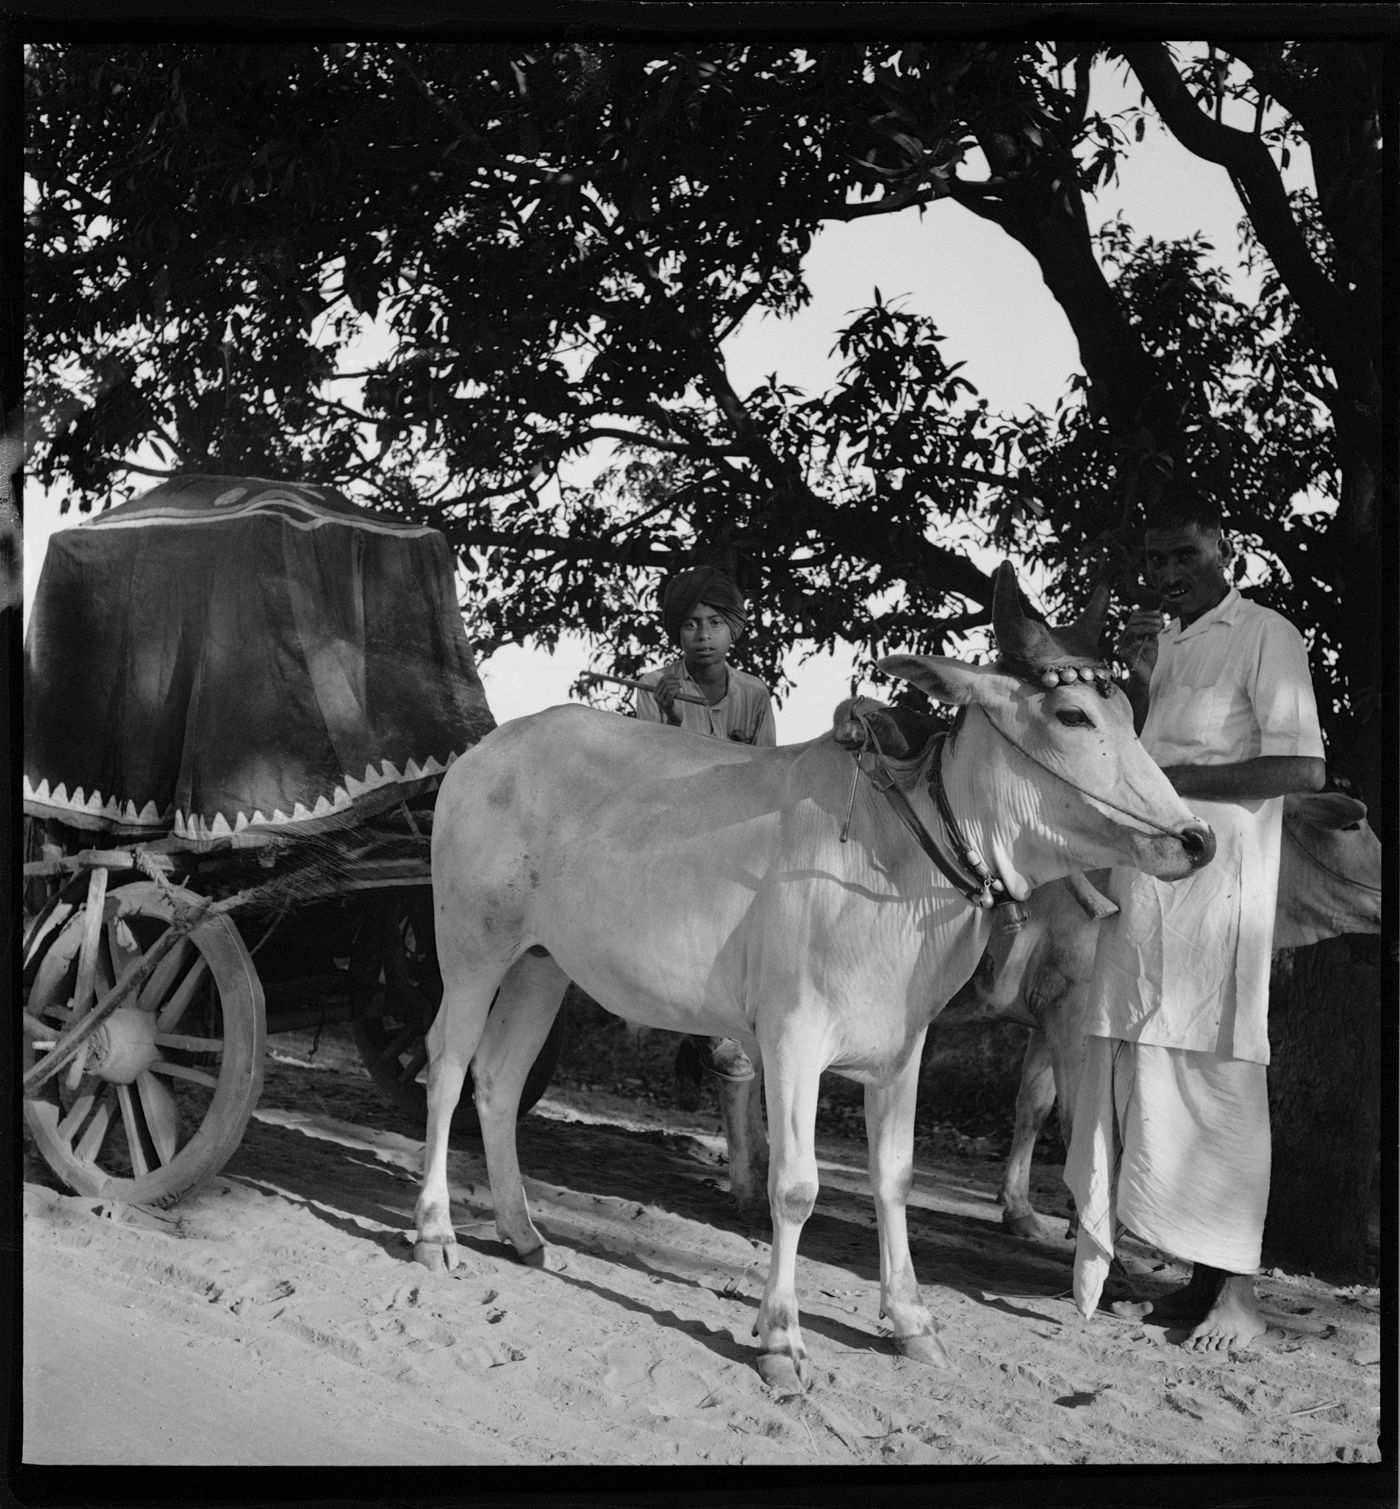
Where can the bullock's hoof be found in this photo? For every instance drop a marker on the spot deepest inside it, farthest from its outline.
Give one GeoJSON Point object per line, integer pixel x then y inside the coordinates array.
{"type": "Point", "coordinates": [784, 1373]}
{"type": "Point", "coordinates": [924, 1348]}
{"type": "Point", "coordinates": [1027, 1224]}
{"type": "Point", "coordinates": [436, 1257]}
{"type": "Point", "coordinates": [725, 1059]}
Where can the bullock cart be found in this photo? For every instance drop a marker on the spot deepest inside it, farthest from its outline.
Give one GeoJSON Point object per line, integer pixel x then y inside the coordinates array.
{"type": "Point", "coordinates": [240, 699]}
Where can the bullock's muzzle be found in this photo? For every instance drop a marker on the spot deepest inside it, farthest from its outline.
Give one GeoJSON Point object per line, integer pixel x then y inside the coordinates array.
{"type": "Point", "coordinates": [1199, 843]}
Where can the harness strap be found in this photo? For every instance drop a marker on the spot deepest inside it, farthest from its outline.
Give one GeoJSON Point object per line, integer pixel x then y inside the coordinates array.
{"type": "Point", "coordinates": [975, 890]}
{"type": "Point", "coordinates": [969, 877]}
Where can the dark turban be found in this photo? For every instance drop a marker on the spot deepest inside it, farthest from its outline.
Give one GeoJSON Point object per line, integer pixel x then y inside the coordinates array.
{"type": "Point", "coordinates": [702, 584]}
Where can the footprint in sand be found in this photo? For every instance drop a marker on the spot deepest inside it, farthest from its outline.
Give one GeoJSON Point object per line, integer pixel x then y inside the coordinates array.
{"type": "Point", "coordinates": [1216, 1408]}
{"type": "Point", "coordinates": [628, 1367]}
{"type": "Point", "coordinates": [259, 1290]}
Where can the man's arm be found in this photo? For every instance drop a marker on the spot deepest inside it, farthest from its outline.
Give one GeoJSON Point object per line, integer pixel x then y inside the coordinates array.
{"type": "Point", "coordinates": [1249, 780]}
{"type": "Point", "coordinates": [1282, 696]}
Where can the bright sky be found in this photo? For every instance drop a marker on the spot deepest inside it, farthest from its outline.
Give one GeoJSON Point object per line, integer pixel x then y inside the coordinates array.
{"type": "Point", "coordinates": [985, 295]}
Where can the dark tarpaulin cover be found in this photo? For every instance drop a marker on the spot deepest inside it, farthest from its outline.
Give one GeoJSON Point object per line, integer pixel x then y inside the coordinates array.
{"type": "Point", "coordinates": [225, 653]}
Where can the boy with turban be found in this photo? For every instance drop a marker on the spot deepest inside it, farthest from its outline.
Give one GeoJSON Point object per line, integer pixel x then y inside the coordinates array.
{"type": "Point", "coordinates": [704, 613]}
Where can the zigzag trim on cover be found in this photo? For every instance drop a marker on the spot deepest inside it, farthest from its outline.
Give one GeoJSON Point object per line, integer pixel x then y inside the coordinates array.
{"type": "Point", "coordinates": [95, 810]}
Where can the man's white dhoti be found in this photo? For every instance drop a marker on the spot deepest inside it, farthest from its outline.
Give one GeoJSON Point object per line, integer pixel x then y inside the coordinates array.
{"type": "Point", "coordinates": [1172, 1145]}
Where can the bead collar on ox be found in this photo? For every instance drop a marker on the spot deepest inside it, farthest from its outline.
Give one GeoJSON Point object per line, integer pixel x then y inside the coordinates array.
{"type": "Point", "coordinates": [703, 886]}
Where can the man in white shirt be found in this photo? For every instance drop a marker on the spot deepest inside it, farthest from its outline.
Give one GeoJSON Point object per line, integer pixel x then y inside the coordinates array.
{"type": "Point", "coordinates": [1170, 1136]}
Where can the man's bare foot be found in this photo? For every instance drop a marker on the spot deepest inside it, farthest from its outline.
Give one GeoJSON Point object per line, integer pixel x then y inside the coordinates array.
{"type": "Point", "coordinates": [1234, 1320]}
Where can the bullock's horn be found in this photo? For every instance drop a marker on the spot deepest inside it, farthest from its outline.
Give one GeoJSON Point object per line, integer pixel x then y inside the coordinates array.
{"type": "Point", "coordinates": [1020, 639]}
{"type": "Point", "coordinates": [1008, 616]}
{"type": "Point", "coordinates": [1034, 649]}
{"type": "Point", "coordinates": [1083, 635]}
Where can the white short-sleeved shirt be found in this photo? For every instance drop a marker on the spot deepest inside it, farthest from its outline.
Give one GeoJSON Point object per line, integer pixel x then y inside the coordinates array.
{"type": "Point", "coordinates": [1185, 964]}
{"type": "Point", "coordinates": [744, 713]}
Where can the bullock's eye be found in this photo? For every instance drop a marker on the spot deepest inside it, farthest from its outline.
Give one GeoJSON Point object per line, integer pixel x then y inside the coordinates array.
{"type": "Point", "coordinates": [1072, 717]}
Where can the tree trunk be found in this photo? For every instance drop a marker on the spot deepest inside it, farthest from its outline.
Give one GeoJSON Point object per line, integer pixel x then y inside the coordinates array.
{"type": "Point", "coordinates": [1324, 1100]}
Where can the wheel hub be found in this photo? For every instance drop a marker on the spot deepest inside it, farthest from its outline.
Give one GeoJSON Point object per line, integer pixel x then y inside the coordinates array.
{"type": "Point", "coordinates": [123, 1046]}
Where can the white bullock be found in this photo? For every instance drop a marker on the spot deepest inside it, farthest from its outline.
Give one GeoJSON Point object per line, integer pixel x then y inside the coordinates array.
{"type": "Point", "coordinates": [701, 886]}
{"type": "Point", "coordinates": [1329, 886]}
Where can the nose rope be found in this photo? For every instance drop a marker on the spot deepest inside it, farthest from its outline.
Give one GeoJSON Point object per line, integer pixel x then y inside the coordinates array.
{"type": "Point", "coordinates": [1103, 801]}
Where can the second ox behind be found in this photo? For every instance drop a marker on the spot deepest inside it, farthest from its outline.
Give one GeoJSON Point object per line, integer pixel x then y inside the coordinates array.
{"type": "Point", "coordinates": [780, 897]}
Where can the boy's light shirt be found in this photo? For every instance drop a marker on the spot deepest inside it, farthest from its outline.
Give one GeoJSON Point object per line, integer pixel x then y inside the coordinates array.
{"type": "Point", "coordinates": [744, 714]}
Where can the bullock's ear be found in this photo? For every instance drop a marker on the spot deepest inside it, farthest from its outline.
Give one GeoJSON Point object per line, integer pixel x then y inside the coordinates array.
{"type": "Point", "coordinates": [1328, 809]}
{"type": "Point", "coordinates": [947, 680]}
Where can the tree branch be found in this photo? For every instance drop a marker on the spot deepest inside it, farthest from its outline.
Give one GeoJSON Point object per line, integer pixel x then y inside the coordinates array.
{"type": "Point", "coordinates": [655, 442]}
{"type": "Point", "coordinates": [1257, 179]}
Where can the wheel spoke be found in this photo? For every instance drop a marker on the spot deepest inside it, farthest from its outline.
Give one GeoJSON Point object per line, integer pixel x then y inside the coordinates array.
{"type": "Point", "coordinates": [398, 1043]}
{"type": "Point", "coordinates": [185, 1071]}
{"type": "Point", "coordinates": [414, 1064]}
{"type": "Point", "coordinates": [163, 976]}
{"type": "Point", "coordinates": [49, 995]}
{"type": "Point", "coordinates": [161, 1113]}
{"type": "Point", "coordinates": [185, 1044]}
{"type": "Point", "coordinates": [90, 1144]}
{"type": "Point", "coordinates": [89, 950]}
{"type": "Point", "coordinates": [170, 1014]}
{"type": "Point", "coordinates": [106, 976]}
{"type": "Point", "coordinates": [122, 946]}
{"type": "Point", "coordinates": [132, 1121]}
{"type": "Point", "coordinates": [81, 1108]}
{"type": "Point", "coordinates": [42, 1033]}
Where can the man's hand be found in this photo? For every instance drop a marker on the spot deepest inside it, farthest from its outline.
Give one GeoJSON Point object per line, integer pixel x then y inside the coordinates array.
{"type": "Point", "coordinates": [665, 694]}
{"type": "Point", "coordinates": [1137, 648]}
{"type": "Point", "coordinates": [1137, 644]}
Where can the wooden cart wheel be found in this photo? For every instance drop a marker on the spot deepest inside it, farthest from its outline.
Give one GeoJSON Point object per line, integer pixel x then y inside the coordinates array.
{"type": "Point", "coordinates": [159, 1099]}
{"type": "Point", "coordinates": [396, 990]}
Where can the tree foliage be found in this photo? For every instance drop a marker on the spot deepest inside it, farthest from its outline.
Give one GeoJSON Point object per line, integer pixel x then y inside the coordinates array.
{"type": "Point", "coordinates": [553, 243]}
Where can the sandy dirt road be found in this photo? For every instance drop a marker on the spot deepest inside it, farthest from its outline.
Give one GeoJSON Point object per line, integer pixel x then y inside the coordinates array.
{"type": "Point", "coordinates": [277, 1319]}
